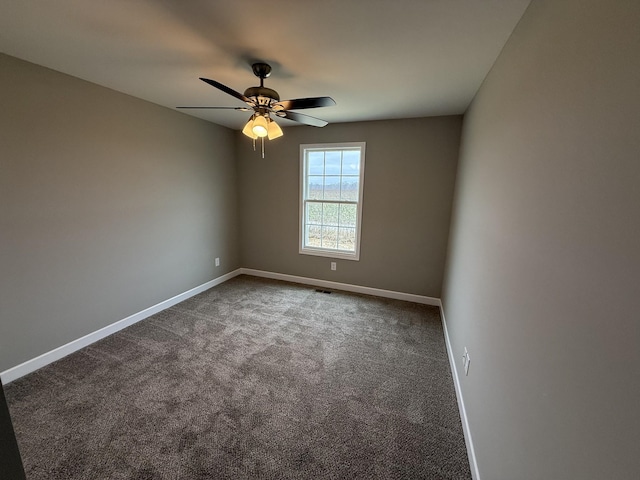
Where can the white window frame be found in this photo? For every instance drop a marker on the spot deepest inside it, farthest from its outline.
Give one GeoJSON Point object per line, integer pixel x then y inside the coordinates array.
{"type": "Point", "coordinates": [320, 251]}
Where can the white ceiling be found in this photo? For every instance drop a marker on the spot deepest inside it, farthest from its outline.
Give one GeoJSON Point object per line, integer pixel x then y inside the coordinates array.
{"type": "Point", "coordinates": [378, 59]}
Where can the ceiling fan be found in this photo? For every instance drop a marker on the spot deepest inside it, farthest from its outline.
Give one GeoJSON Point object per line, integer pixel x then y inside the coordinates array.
{"type": "Point", "coordinates": [264, 102]}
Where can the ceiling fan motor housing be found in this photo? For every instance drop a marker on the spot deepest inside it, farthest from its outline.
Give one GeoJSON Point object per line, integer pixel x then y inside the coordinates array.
{"type": "Point", "coordinates": [256, 92]}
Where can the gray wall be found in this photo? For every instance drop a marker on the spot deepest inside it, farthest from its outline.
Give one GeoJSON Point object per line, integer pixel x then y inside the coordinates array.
{"type": "Point", "coordinates": [108, 205]}
{"type": "Point", "coordinates": [543, 273]}
{"type": "Point", "coordinates": [408, 187]}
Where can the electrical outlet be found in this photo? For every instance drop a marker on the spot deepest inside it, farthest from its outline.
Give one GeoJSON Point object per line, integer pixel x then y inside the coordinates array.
{"type": "Point", "coordinates": [333, 266]}
{"type": "Point", "coordinates": [217, 261]}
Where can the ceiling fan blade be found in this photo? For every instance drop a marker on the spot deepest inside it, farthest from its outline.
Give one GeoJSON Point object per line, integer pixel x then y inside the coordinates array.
{"type": "Point", "coordinates": [300, 103]}
{"type": "Point", "coordinates": [242, 109]}
{"type": "Point", "coordinates": [226, 89]}
{"type": "Point", "coordinates": [300, 118]}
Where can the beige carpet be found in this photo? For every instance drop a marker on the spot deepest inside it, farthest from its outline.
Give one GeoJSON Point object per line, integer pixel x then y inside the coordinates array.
{"type": "Point", "coordinates": [256, 379]}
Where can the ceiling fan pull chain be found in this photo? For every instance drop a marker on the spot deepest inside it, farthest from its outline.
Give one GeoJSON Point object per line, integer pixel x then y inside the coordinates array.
{"type": "Point", "coordinates": [262, 147]}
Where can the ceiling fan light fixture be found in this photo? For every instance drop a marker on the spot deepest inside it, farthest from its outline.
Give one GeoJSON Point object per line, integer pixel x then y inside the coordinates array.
{"type": "Point", "coordinates": [274, 130]}
{"type": "Point", "coordinates": [259, 127]}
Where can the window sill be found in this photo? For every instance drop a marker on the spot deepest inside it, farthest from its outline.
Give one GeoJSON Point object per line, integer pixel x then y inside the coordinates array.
{"type": "Point", "coordinates": [330, 254]}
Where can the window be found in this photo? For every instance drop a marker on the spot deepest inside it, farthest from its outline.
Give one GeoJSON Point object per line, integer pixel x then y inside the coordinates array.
{"type": "Point", "coordinates": [331, 184]}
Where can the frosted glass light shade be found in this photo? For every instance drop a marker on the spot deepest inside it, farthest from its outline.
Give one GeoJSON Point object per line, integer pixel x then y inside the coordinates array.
{"type": "Point", "coordinates": [274, 130]}
{"type": "Point", "coordinates": [260, 126]}
{"type": "Point", "coordinates": [247, 130]}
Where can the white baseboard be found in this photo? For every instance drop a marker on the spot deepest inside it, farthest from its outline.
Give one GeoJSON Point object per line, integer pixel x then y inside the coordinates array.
{"type": "Point", "coordinates": [75, 345]}
{"type": "Point", "coordinates": [475, 473]}
{"type": "Point", "coordinates": [409, 297]}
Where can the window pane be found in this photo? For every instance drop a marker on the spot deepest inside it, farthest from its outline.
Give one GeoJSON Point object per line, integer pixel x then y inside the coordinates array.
{"type": "Point", "coordinates": [351, 162]}
{"type": "Point", "coordinates": [348, 215]}
{"type": "Point", "coordinates": [330, 237]}
{"type": "Point", "coordinates": [349, 189]}
{"type": "Point", "coordinates": [313, 236]}
{"type": "Point", "coordinates": [316, 163]}
{"type": "Point", "coordinates": [332, 163]}
{"type": "Point", "coordinates": [314, 213]}
{"type": "Point", "coordinates": [330, 215]}
{"type": "Point", "coordinates": [314, 188]}
{"type": "Point", "coordinates": [347, 239]}
{"type": "Point", "coordinates": [332, 188]}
